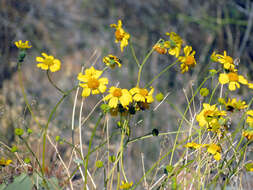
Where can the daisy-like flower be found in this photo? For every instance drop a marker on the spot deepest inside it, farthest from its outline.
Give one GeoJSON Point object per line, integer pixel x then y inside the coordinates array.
{"type": "Point", "coordinates": [215, 150]}
{"type": "Point", "coordinates": [188, 60]}
{"type": "Point", "coordinates": [210, 116]}
{"type": "Point", "coordinates": [120, 35]}
{"type": "Point", "coordinates": [233, 80]}
{"type": "Point", "coordinates": [48, 62]}
{"type": "Point", "coordinates": [226, 61]}
{"type": "Point", "coordinates": [233, 104]}
{"type": "Point", "coordinates": [125, 185]}
{"type": "Point", "coordinates": [142, 94]}
{"type": "Point", "coordinates": [249, 119]}
{"type": "Point", "coordinates": [175, 44]}
{"type": "Point", "coordinates": [91, 83]}
{"type": "Point", "coordinates": [118, 95]}
{"type": "Point", "coordinates": [4, 162]}
{"type": "Point", "coordinates": [111, 61]}
{"type": "Point", "coordinates": [248, 133]}
{"type": "Point", "coordinates": [22, 45]}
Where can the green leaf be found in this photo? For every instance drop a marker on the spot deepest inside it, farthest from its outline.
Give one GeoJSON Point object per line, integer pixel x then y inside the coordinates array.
{"type": "Point", "coordinates": [22, 182]}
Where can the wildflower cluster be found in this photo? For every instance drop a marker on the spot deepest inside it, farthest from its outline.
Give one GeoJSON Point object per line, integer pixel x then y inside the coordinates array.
{"type": "Point", "coordinates": [212, 120]}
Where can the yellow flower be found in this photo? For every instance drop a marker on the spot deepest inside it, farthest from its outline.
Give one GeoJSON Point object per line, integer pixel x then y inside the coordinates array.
{"type": "Point", "coordinates": [4, 162]}
{"type": "Point", "coordinates": [215, 151]}
{"type": "Point", "coordinates": [118, 95]}
{"type": "Point", "coordinates": [249, 119]}
{"type": "Point", "coordinates": [91, 83]}
{"type": "Point", "coordinates": [188, 60]}
{"type": "Point", "coordinates": [160, 48]}
{"type": "Point", "coordinates": [120, 35]}
{"type": "Point", "coordinates": [210, 116]}
{"type": "Point", "coordinates": [126, 185]}
{"type": "Point", "coordinates": [193, 145]}
{"type": "Point", "coordinates": [233, 104]}
{"type": "Point", "coordinates": [112, 61]}
{"type": "Point", "coordinates": [227, 61]}
{"type": "Point", "coordinates": [175, 44]}
{"type": "Point", "coordinates": [142, 94]}
{"type": "Point", "coordinates": [48, 62]}
{"type": "Point", "coordinates": [233, 80]}
{"type": "Point", "coordinates": [248, 133]}
{"type": "Point", "coordinates": [22, 45]}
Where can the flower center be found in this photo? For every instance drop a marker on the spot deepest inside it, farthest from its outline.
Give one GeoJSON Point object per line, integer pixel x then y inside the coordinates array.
{"type": "Point", "coordinates": [117, 92]}
{"type": "Point", "coordinates": [49, 61]}
{"type": "Point", "coordinates": [143, 92]}
{"type": "Point", "coordinates": [93, 83]}
{"type": "Point", "coordinates": [119, 34]}
{"type": "Point", "coordinates": [190, 60]}
{"type": "Point", "coordinates": [233, 77]}
{"type": "Point", "coordinates": [229, 59]}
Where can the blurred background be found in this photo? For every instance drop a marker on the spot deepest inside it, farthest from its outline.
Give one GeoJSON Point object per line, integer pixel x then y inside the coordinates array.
{"type": "Point", "coordinates": [78, 33]}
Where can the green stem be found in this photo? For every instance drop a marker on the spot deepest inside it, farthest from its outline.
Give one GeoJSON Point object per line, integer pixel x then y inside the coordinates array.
{"type": "Point", "coordinates": [48, 121]}
{"type": "Point", "coordinates": [21, 84]}
{"type": "Point", "coordinates": [89, 149]}
{"type": "Point", "coordinates": [54, 85]}
{"type": "Point", "coordinates": [181, 122]}
{"type": "Point", "coordinates": [143, 63]}
{"type": "Point", "coordinates": [163, 71]}
{"type": "Point", "coordinates": [134, 55]}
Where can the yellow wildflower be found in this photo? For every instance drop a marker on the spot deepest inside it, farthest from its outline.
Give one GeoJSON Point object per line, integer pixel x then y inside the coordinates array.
{"type": "Point", "coordinates": [120, 35]}
{"type": "Point", "coordinates": [4, 162]}
{"type": "Point", "coordinates": [215, 151]}
{"type": "Point", "coordinates": [188, 60]}
{"type": "Point", "coordinates": [248, 133]}
{"type": "Point", "coordinates": [118, 95]}
{"type": "Point", "coordinates": [210, 116]}
{"type": "Point", "coordinates": [125, 185]}
{"type": "Point", "coordinates": [233, 80]}
{"type": "Point", "coordinates": [91, 83]}
{"type": "Point", "coordinates": [175, 44]}
{"type": "Point", "coordinates": [233, 104]}
{"type": "Point", "coordinates": [142, 94]}
{"type": "Point", "coordinates": [160, 48]}
{"type": "Point", "coordinates": [227, 61]}
{"type": "Point", "coordinates": [22, 45]}
{"type": "Point", "coordinates": [48, 62]}
{"type": "Point", "coordinates": [111, 61]}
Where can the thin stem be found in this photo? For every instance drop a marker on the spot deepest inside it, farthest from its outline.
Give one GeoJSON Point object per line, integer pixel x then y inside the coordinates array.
{"type": "Point", "coordinates": [89, 149]}
{"type": "Point", "coordinates": [134, 55]}
{"type": "Point", "coordinates": [163, 71]}
{"type": "Point", "coordinates": [143, 63]}
{"type": "Point", "coordinates": [52, 82]}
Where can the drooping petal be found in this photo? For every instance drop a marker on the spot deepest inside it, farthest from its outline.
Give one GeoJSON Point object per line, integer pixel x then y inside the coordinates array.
{"type": "Point", "coordinates": [232, 86]}
{"type": "Point", "coordinates": [86, 92]}
{"type": "Point", "coordinates": [242, 80]}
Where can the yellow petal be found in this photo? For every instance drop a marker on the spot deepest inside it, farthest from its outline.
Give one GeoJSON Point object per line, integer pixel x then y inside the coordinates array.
{"type": "Point", "coordinates": [113, 102]}
{"type": "Point", "coordinates": [232, 86]}
{"type": "Point", "coordinates": [86, 92]}
{"type": "Point", "coordinates": [223, 78]}
{"type": "Point", "coordinates": [56, 66]}
{"type": "Point", "coordinates": [242, 80]}
{"type": "Point", "coordinates": [42, 66]}
{"type": "Point", "coordinates": [39, 59]}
